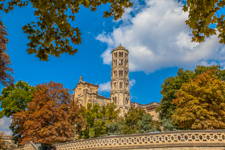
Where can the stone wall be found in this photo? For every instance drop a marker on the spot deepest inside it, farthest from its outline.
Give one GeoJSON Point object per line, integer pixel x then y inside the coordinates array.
{"type": "Point", "coordinates": [184, 148]}
{"type": "Point", "coordinates": [173, 140]}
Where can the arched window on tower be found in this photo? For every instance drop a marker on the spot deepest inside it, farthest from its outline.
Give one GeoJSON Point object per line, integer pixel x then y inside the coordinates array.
{"type": "Point", "coordinates": [127, 100]}
{"type": "Point", "coordinates": [115, 63]}
{"type": "Point", "coordinates": [121, 73]}
{"type": "Point", "coordinates": [127, 86]}
{"type": "Point", "coordinates": [120, 62]}
{"type": "Point", "coordinates": [121, 85]}
{"type": "Point", "coordinates": [114, 100]}
{"type": "Point", "coordinates": [126, 73]}
{"type": "Point", "coordinates": [115, 54]}
{"type": "Point", "coordinates": [120, 54]}
{"type": "Point", "coordinates": [126, 63]}
{"type": "Point", "coordinates": [114, 85]}
{"type": "Point", "coordinates": [115, 73]}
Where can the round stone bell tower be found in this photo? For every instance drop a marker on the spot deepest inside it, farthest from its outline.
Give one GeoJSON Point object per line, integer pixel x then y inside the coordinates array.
{"type": "Point", "coordinates": [120, 94]}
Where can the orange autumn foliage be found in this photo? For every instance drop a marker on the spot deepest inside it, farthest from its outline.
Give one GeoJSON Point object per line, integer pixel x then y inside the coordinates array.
{"type": "Point", "coordinates": [200, 104]}
{"type": "Point", "coordinates": [5, 71]}
{"type": "Point", "coordinates": [48, 118]}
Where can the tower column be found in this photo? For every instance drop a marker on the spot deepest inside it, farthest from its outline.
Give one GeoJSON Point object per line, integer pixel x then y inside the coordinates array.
{"type": "Point", "coordinates": [120, 94]}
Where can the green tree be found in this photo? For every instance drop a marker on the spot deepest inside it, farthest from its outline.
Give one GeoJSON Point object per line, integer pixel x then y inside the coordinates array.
{"type": "Point", "coordinates": [52, 34]}
{"type": "Point", "coordinates": [144, 125]}
{"type": "Point", "coordinates": [200, 104]}
{"type": "Point", "coordinates": [202, 14]}
{"type": "Point", "coordinates": [96, 118]}
{"type": "Point", "coordinates": [131, 120]}
{"type": "Point", "coordinates": [172, 84]}
{"type": "Point", "coordinates": [14, 99]}
{"type": "Point", "coordinates": [115, 127]}
{"type": "Point", "coordinates": [168, 125]}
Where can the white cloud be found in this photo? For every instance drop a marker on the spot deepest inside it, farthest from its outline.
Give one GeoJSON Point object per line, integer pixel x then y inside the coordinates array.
{"type": "Point", "coordinates": [104, 38]}
{"type": "Point", "coordinates": [157, 37]}
{"type": "Point", "coordinates": [131, 83]}
{"type": "Point", "coordinates": [4, 125]}
{"type": "Point", "coordinates": [105, 87]}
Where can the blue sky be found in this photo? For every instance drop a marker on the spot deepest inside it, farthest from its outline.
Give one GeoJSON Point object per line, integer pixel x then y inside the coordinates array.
{"type": "Point", "coordinates": [153, 31]}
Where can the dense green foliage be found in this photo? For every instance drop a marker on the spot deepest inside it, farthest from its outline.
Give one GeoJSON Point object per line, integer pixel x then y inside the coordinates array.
{"type": "Point", "coordinates": [135, 121]}
{"type": "Point", "coordinates": [144, 125]}
{"type": "Point", "coordinates": [168, 125]}
{"type": "Point", "coordinates": [97, 118]}
{"type": "Point", "coordinates": [15, 97]}
{"type": "Point", "coordinates": [200, 104]}
{"type": "Point", "coordinates": [116, 127]}
{"type": "Point", "coordinates": [172, 84]}
{"type": "Point", "coordinates": [202, 14]}
{"type": "Point", "coordinates": [131, 120]}
{"type": "Point", "coordinates": [52, 34]}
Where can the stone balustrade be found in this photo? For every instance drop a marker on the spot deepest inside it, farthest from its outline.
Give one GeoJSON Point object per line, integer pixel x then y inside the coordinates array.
{"type": "Point", "coordinates": [173, 140]}
{"type": "Point", "coordinates": [188, 138]}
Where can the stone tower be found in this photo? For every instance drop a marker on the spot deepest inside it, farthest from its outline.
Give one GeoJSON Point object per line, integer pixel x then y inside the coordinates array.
{"type": "Point", "coordinates": [120, 94]}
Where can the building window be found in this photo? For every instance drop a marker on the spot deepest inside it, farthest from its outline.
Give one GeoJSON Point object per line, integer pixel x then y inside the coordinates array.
{"type": "Point", "coordinates": [126, 74]}
{"type": "Point", "coordinates": [114, 85]}
{"type": "Point", "coordinates": [126, 85]}
{"type": "Point", "coordinates": [126, 54]}
{"type": "Point", "coordinates": [120, 54]}
{"type": "Point", "coordinates": [115, 54]}
{"type": "Point", "coordinates": [115, 73]}
{"type": "Point", "coordinates": [121, 85]}
{"type": "Point", "coordinates": [120, 62]}
{"type": "Point", "coordinates": [115, 63]}
{"type": "Point", "coordinates": [114, 100]}
{"type": "Point", "coordinates": [126, 63]}
{"type": "Point", "coordinates": [127, 100]}
{"type": "Point", "coordinates": [121, 73]}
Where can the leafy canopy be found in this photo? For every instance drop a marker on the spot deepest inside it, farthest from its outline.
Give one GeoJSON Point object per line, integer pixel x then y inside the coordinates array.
{"type": "Point", "coordinates": [168, 125]}
{"type": "Point", "coordinates": [5, 77]}
{"type": "Point", "coordinates": [96, 119]}
{"type": "Point", "coordinates": [202, 14]}
{"type": "Point", "coordinates": [172, 84]}
{"type": "Point", "coordinates": [115, 127]}
{"type": "Point", "coordinates": [47, 118]}
{"type": "Point", "coordinates": [144, 125]}
{"type": "Point", "coordinates": [200, 104]}
{"type": "Point", "coordinates": [131, 119]}
{"type": "Point", "coordinates": [52, 34]}
{"type": "Point", "coordinates": [14, 98]}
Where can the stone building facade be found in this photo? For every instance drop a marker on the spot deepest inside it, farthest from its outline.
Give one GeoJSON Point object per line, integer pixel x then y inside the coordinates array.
{"type": "Point", "coordinates": [85, 92]}
{"type": "Point", "coordinates": [9, 142]}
